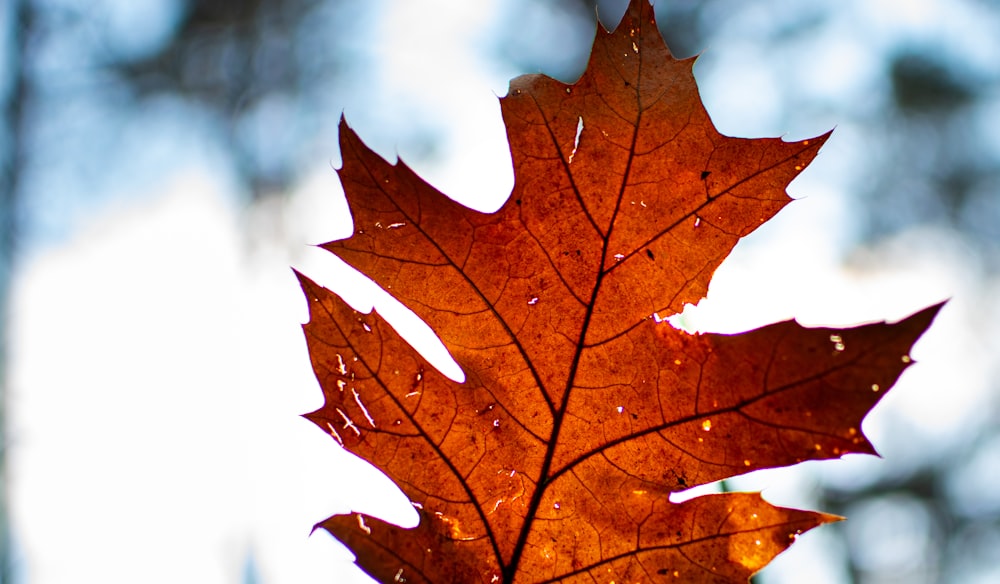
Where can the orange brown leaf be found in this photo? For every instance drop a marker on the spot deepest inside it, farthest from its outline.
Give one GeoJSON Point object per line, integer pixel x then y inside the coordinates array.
{"type": "Point", "coordinates": [580, 413]}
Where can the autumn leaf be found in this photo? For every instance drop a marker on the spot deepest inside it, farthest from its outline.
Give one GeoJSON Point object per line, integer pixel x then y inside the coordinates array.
{"type": "Point", "coordinates": [580, 413]}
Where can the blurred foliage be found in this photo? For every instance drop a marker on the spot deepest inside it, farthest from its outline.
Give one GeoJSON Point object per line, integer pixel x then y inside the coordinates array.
{"type": "Point", "coordinates": [239, 59]}
{"type": "Point", "coordinates": [938, 170]}
{"type": "Point", "coordinates": [75, 76]}
{"type": "Point", "coordinates": [924, 85]}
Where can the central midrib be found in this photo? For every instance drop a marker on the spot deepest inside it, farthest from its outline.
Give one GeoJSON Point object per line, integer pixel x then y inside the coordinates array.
{"type": "Point", "coordinates": [510, 571]}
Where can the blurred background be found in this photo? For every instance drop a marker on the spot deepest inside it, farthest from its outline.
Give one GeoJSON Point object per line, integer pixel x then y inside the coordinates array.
{"type": "Point", "coordinates": [163, 162]}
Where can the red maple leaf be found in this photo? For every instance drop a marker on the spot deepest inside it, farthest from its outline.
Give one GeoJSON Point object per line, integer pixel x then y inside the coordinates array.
{"type": "Point", "coordinates": [579, 413]}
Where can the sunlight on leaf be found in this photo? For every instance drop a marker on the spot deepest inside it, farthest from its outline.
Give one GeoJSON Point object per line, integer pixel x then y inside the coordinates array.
{"type": "Point", "coordinates": [580, 413]}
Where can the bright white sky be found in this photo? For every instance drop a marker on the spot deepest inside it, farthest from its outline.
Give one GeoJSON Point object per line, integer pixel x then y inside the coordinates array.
{"type": "Point", "coordinates": [158, 367]}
